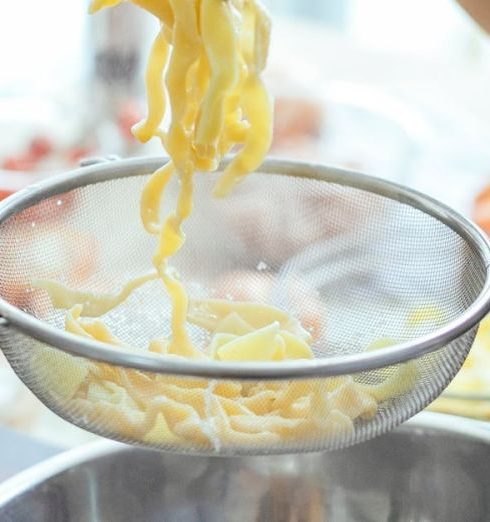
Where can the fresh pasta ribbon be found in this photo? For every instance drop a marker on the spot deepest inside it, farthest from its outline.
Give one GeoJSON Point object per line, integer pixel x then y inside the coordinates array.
{"type": "Point", "coordinates": [97, 5]}
{"type": "Point", "coordinates": [220, 41]}
{"type": "Point", "coordinates": [257, 138]}
{"type": "Point", "coordinates": [91, 305]}
{"type": "Point", "coordinates": [147, 128]}
{"type": "Point", "coordinates": [151, 197]}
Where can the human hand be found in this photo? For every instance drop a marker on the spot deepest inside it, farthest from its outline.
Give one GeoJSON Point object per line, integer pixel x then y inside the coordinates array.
{"type": "Point", "coordinates": [479, 10]}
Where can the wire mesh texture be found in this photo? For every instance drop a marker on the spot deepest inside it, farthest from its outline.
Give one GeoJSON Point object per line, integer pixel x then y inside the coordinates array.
{"type": "Point", "coordinates": [392, 285]}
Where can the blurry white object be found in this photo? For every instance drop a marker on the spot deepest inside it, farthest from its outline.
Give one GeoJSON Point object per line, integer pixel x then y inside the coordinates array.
{"type": "Point", "coordinates": [350, 125]}
{"type": "Point", "coordinates": [42, 46]}
{"type": "Point", "coordinates": [18, 407]}
{"type": "Point", "coordinates": [374, 131]}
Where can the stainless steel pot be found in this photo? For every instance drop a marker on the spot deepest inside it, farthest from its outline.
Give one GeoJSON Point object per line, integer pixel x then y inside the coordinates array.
{"type": "Point", "coordinates": [434, 468]}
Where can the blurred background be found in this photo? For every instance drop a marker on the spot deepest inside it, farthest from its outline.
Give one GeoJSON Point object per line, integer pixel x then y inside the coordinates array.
{"type": "Point", "coordinates": [394, 89]}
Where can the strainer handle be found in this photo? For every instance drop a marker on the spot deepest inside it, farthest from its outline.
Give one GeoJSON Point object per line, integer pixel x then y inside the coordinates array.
{"type": "Point", "coordinates": [97, 160]}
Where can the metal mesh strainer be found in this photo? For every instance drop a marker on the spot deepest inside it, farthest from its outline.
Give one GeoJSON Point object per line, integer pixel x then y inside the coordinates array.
{"type": "Point", "coordinates": [357, 258]}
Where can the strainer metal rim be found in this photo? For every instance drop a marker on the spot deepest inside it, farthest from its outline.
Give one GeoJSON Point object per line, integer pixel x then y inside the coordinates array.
{"type": "Point", "coordinates": [338, 365]}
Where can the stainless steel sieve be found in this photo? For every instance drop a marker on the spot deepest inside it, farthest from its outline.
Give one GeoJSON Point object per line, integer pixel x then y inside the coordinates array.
{"type": "Point", "coordinates": [369, 259]}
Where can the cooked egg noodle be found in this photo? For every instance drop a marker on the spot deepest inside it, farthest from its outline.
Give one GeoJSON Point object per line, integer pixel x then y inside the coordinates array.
{"type": "Point", "coordinates": [207, 58]}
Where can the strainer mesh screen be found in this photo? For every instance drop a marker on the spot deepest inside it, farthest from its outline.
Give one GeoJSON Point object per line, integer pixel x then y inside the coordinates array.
{"type": "Point", "coordinates": [353, 266]}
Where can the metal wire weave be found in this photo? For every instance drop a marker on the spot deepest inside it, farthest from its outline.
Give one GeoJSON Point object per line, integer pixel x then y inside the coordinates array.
{"type": "Point", "coordinates": [374, 267]}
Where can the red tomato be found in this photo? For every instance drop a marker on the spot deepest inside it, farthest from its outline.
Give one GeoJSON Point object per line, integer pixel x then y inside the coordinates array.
{"type": "Point", "coordinates": [4, 193]}
{"type": "Point", "coordinates": [481, 210]}
{"type": "Point", "coordinates": [296, 118]}
{"type": "Point", "coordinates": [40, 147]}
{"type": "Point", "coordinates": [76, 154]}
{"type": "Point", "coordinates": [128, 116]}
{"type": "Point", "coordinates": [21, 163]}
